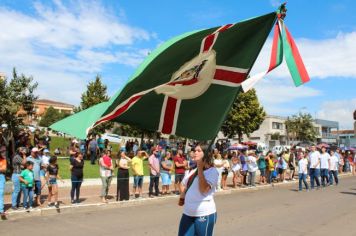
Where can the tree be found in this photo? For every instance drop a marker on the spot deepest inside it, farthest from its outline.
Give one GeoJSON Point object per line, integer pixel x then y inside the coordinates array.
{"type": "Point", "coordinates": [18, 93]}
{"type": "Point", "coordinates": [300, 127]}
{"type": "Point", "coordinates": [96, 93]}
{"type": "Point", "coordinates": [51, 116]}
{"type": "Point", "coordinates": [246, 116]}
{"type": "Point", "coordinates": [22, 90]}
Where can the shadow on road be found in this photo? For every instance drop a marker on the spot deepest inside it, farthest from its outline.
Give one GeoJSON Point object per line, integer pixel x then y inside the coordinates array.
{"type": "Point", "coordinates": [350, 193]}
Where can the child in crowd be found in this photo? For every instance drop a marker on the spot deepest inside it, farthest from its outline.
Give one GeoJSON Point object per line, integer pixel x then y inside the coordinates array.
{"type": "Point", "coordinates": [27, 184]}
{"type": "Point", "coordinates": [51, 177]}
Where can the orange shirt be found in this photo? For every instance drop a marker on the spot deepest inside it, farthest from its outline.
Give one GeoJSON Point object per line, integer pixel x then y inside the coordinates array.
{"type": "Point", "coordinates": [2, 164]}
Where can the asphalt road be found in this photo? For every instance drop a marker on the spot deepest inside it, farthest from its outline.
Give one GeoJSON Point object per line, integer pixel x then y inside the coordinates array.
{"type": "Point", "coordinates": [273, 211]}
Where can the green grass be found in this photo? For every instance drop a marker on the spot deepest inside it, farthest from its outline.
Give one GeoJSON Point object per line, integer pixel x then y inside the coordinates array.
{"type": "Point", "coordinates": [90, 171]}
{"type": "Point", "coordinates": [63, 144]}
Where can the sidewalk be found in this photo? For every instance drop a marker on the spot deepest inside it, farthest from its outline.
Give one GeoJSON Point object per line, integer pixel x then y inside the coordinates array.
{"type": "Point", "coordinates": [90, 198]}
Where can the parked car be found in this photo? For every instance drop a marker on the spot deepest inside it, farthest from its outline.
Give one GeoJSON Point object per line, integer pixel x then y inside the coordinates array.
{"type": "Point", "coordinates": [113, 138]}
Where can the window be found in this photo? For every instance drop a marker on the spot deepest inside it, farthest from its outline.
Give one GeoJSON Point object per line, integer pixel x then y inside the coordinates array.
{"type": "Point", "coordinates": [277, 125]}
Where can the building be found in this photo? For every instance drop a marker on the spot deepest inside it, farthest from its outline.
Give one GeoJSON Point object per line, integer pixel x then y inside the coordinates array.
{"type": "Point", "coordinates": [40, 108]}
{"type": "Point", "coordinates": [327, 128]}
{"type": "Point", "coordinates": [273, 131]}
{"type": "Point", "coordinates": [347, 138]}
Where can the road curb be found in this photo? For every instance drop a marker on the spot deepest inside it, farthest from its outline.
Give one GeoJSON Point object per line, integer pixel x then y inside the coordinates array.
{"type": "Point", "coordinates": [48, 211]}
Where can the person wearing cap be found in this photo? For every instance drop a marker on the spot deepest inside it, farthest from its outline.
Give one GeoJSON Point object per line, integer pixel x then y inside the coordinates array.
{"type": "Point", "coordinates": [137, 170]}
{"type": "Point", "coordinates": [37, 162]}
{"type": "Point", "coordinates": [3, 166]}
{"type": "Point", "coordinates": [18, 163]}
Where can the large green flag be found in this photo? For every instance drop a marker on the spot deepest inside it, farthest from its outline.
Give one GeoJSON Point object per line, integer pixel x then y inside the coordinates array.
{"type": "Point", "coordinates": [187, 86]}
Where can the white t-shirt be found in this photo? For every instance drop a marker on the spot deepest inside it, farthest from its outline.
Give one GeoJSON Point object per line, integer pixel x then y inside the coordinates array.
{"type": "Point", "coordinates": [334, 160]}
{"type": "Point", "coordinates": [303, 166]}
{"type": "Point", "coordinates": [196, 203]}
{"type": "Point", "coordinates": [45, 160]}
{"type": "Point", "coordinates": [252, 164]}
{"type": "Point", "coordinates": [324, 160]}
{"type": "Point", "coordinates": [218, 162]}
{"type": "Point", "coordinates": [236, 167]}
{"type": "Point", "coordinates": [314, 157]}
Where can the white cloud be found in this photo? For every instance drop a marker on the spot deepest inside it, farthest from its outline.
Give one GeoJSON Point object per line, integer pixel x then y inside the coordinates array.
{"type": "Point", "coordinates": [324, 58]}
{"type": "Point", "coordinates": [333, 57]}
{"type": "Point", "coordinates": [274, 92]}
{"type": "Point", "coordinates": [339, 110]}
{"type": "Point", "coordinates": [63, 46]}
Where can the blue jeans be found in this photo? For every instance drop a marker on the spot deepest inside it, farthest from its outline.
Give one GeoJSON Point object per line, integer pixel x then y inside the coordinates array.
{"type": "Point", "coordinates": [16, 194]}
{"type": "Point", "coordinates": [324, 173]}
{"type": "Point", "coordinates": [196, 226]}
{"type": "Point", "coordinates": [27, 195]}
{"type": "Point", "coordinates": [303, 178]}
{"type": "Point", "coordinates": [92, 157]}
{"type": "Point", "coordinates": [314, 175]}
{"type": "Point", "coordinates": [2, 191]}
{"type": "Point", "coordinates": [333, 173]}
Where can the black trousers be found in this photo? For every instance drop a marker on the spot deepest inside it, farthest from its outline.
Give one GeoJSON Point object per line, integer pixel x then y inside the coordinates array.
{"type": "Point", "coordinates": [123, 185]}
{"type": "Point", "coordinates": [154, 182]}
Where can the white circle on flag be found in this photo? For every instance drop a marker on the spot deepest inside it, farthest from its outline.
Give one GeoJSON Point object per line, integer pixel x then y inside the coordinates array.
{"type": "Point", "coordinates": [192, 79]}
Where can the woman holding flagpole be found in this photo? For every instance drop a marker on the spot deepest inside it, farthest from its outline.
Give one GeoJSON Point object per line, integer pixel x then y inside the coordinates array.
{"type": "Point", "coordinates": [197, 197]}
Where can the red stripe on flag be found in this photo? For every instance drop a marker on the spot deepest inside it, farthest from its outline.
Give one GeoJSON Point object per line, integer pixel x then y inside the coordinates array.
{"type": "Point", "coordinates": [274, 51]}
{"type": "Point", "coordinates": [297, 58]}
{"type": "Point", "coordinates": [225, 27]}
{"type": "Point", "coordinates": [208, 42]}
{"type": "Point", "coordinates": [121, 109]}
{"type": "Point", "coordinates": [169, 115]}
{"type": "Point", "coordinates": [229, 76]}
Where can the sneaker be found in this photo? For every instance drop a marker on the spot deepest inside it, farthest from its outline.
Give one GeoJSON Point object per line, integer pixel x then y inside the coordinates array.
{"type": "Point", "coordinates": [77, 201]}
{"type": "Point", "coordinates": [57, 205]}
{"type": "Point", "coordinates": [72, 201]}
{"type": "Point", "coordinates": [51, 204]}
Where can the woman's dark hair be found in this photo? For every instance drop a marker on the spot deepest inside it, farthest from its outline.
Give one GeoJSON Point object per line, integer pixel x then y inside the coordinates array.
{"type": "Point", "coordinates": [53, 160]}
{"type": "Point", "coordinates": [208, 156]}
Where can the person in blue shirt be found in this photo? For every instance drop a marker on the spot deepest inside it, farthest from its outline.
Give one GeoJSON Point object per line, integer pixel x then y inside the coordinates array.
{"type": "Point", "coordinates": [37, 162]}
{"type": "Point", "coordinates": [101, 144]}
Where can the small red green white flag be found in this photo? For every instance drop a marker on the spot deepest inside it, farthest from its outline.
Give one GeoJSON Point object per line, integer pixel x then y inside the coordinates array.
{"type": "Point", "coordinates": [283, 45]}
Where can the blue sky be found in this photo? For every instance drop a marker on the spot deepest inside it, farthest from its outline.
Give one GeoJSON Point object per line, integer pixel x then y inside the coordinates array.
{"type": "Point", "coordinates": [64, 44]}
